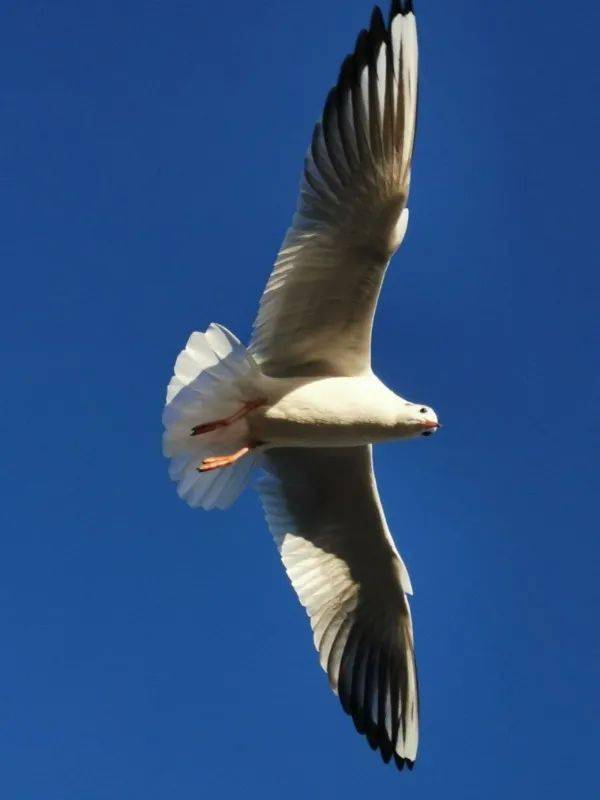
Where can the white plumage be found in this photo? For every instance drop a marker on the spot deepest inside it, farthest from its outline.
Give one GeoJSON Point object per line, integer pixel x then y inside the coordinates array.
{"type": "Point", "coordinates": [303, 403]}
{"type": "Point", "coordinates": [206, 386]}
{"type": "Point", "coordinates": [323, 510]}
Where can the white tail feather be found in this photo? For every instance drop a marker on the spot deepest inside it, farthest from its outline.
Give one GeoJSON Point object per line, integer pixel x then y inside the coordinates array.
{"type": "Point", "coordinates": [209, 384]}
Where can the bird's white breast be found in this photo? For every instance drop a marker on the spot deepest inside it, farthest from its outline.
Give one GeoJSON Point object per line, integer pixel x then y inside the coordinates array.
{"type": "Point", "coordinates": [324, 412]}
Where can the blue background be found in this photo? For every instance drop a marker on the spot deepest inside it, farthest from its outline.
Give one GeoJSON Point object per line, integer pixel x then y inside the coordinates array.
{"type": "Point", "coordinates": [150, 154]}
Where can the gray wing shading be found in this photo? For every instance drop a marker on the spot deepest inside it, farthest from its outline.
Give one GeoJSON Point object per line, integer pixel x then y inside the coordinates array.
{"type": "Point", "coordinates": [323, 509]}
{"type": "Point", "coordinates": [316, 313]}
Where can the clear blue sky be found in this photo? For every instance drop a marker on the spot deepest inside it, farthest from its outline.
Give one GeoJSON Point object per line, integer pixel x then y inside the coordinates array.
{"type": "Point", "coordinates": [150, 154]}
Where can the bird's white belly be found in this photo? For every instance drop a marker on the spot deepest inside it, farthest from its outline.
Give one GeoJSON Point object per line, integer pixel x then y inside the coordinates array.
{"type": "Point", "coordinates": [326, 412]}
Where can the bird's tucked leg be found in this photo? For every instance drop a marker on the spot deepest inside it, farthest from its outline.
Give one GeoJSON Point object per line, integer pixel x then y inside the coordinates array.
{"type": "Point", "coordinates": [218, 462]}
{"type": "Point", "coordinates": [209, 427]}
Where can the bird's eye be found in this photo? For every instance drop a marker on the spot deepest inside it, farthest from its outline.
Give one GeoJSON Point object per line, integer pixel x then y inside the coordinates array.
{"type": "Point", "coordinates": [423, 410]}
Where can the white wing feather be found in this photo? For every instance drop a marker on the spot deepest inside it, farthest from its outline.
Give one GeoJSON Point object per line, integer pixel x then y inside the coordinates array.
{"type": "Point", "coordinates": [323, 510]}
{"type": "Point", "coordinates": [316, 313]}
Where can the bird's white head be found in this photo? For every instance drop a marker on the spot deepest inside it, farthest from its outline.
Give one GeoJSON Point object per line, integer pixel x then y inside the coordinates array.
{"type": "Point", "coordinates": [415, 420]}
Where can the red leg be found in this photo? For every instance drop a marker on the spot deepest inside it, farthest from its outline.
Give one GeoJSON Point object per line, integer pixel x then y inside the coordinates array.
{"type": "Point", "coordinates": [218, 462]}
{"type": "Point", "coordinates": [209, 427]}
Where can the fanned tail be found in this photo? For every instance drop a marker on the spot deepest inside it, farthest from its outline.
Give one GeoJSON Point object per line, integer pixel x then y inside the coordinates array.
{"type": "Point", "coordinates": [211, 376]}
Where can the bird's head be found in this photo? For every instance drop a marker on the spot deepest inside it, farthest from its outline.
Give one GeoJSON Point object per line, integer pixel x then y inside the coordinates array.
{"type": "Point", "coordinates": [415, 420]}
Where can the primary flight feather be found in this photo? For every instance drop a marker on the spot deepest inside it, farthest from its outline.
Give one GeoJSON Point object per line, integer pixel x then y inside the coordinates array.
{"type": "Point", "coordinates": [302, 402]}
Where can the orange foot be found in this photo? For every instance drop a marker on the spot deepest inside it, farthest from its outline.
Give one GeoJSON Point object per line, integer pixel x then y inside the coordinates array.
{"type": "Point", "coordinates": [209, 427]}
{"type": "Point", "coordinates": [218, 462]}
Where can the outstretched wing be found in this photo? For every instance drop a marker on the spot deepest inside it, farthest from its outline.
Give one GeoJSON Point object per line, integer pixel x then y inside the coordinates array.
{"type": "Point", "coordinates": [316, 314]}
{"type": "Point", "coordinates": [323, 510]}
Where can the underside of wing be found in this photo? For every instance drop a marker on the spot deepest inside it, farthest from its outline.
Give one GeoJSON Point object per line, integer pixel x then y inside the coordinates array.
{"type": "Point", "coordinates": [323, 510]}
{"type": "Point", "coordinates": [316, 313]}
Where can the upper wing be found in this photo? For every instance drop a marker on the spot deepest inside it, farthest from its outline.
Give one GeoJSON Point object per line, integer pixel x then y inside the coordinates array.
{"type": "Point", "coordinates": [316, 313]}
{"type": "Point", "coordinates": [324, 512]}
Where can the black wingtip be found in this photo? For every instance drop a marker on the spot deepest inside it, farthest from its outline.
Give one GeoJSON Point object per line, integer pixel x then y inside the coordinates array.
{"type": "Point", "coordinates": [377, 26]}
{"type": "Point", "coordinates": [346, 75]}
{"type": "Point", "coordinates": [401, 763]}
{"type": "Point", "coordinates": [361, 48]}
{"type": "Point", "coordinates": [330, 105]}
{"type": "Point", "coordinates": [403, 7]}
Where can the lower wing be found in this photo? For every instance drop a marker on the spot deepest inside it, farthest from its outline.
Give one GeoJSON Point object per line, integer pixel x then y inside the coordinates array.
{"type": "Point", "coordinates": [323, 509]}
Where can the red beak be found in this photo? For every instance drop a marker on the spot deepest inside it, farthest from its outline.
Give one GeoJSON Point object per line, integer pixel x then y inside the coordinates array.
{"type": "Point", "coordinates": [430, 426]}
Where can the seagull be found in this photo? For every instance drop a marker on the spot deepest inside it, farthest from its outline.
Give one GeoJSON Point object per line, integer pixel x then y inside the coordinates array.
{"type": "Point", "coordinates": [302, 403]}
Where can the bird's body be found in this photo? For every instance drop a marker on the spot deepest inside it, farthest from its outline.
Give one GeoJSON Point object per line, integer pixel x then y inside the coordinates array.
{"type": "Point", "coordinates": [303, 403]}
{"type": "Point", "coordinates": [329, 412]}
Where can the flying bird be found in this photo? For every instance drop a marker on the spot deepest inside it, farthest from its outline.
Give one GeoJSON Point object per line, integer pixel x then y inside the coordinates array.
{"type": "Point", "coordinates": [302, 402]}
